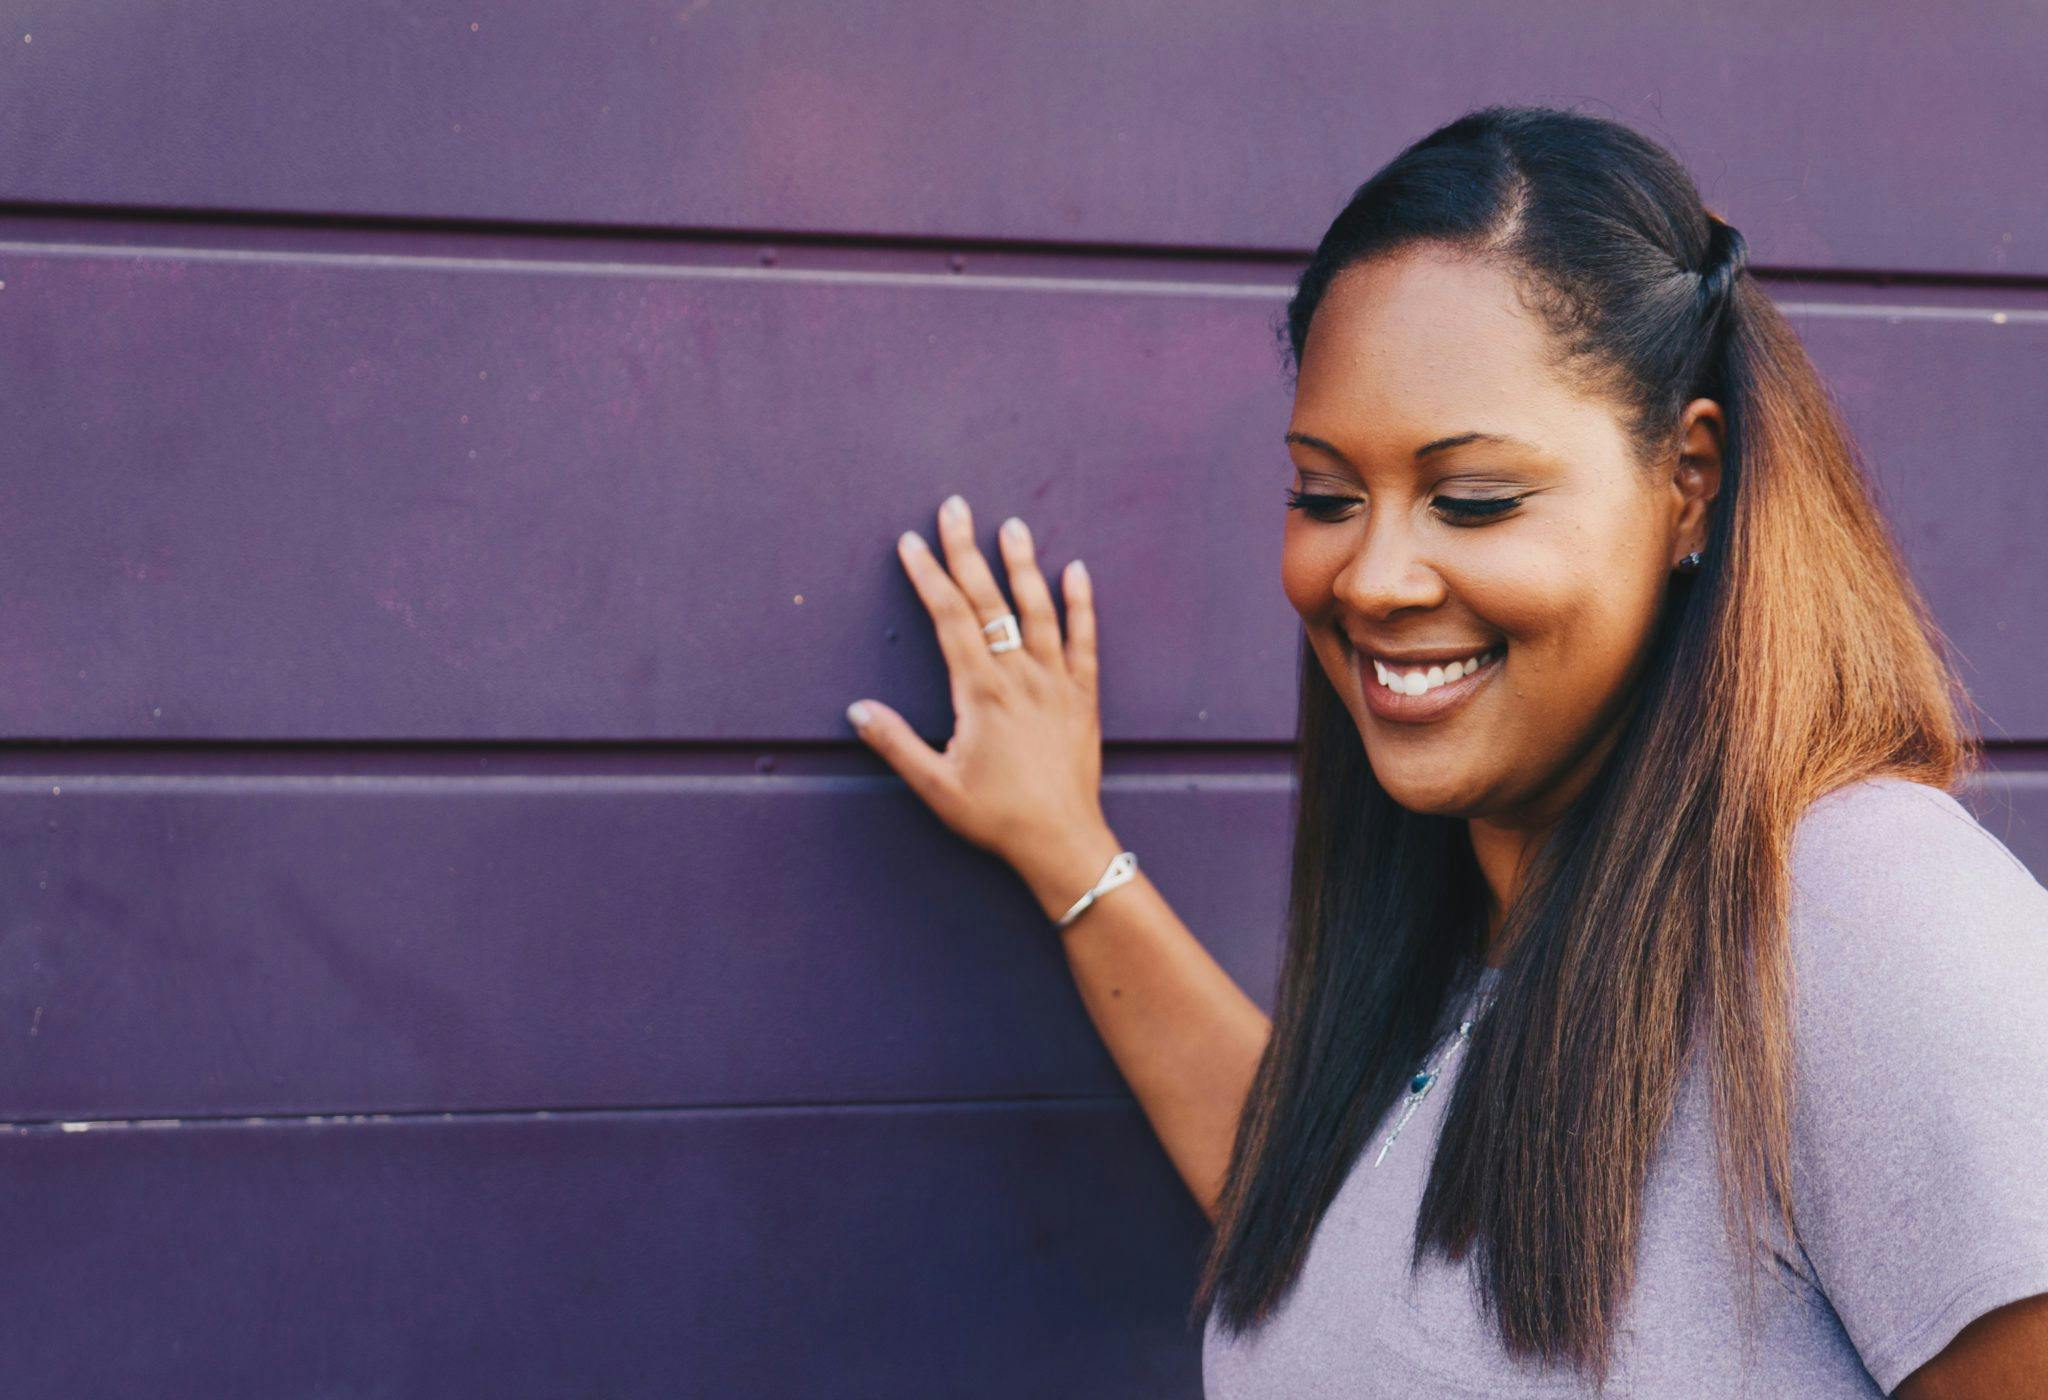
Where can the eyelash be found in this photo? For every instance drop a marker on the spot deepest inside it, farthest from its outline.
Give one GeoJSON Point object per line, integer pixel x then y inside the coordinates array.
{"type": "Point", "coordinates": [1492, 507]}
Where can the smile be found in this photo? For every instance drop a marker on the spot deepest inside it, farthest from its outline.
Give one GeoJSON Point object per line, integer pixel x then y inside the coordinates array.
{"type": "Point", "coordinates": [1419, 694]}
{"type": "Point", "coordinates": [1421, 680]}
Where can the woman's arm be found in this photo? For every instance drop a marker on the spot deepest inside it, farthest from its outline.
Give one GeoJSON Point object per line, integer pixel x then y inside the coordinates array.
{"type": "Point", "coordinates": [1185, 1035]}
{"type": "Point", "coordinates": [2002, 1355]}
{"type": "Point", "coordinates": [1021, 777]}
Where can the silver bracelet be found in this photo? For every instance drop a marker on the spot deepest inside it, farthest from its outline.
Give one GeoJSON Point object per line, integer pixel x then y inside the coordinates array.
{"type": "Point", "coordinates": [1120, 872]}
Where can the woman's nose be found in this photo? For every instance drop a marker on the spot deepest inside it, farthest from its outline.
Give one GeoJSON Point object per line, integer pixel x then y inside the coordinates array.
{"type": "Point", "coordinates": [1390, 571]}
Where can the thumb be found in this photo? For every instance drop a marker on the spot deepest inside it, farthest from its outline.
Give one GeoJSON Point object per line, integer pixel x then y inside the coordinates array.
{"type": "Point", "coordinates": [890, 735]}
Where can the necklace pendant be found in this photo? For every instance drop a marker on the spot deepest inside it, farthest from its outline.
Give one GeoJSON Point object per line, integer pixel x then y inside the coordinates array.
{"type": "Point", "coordinates": [1418, 1087]}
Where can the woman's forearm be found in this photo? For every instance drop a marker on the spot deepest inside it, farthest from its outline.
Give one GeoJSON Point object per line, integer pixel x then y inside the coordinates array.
{"type": "Point", "coordinates": [1185, 1036]}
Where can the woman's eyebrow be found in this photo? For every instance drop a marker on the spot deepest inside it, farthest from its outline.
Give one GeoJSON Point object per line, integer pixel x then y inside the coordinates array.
{"type": "Point", "coordinates": [1441, 444]}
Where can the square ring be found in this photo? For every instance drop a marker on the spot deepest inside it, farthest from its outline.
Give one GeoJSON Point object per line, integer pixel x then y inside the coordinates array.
{"type": "Point", "coordinates": [1004, 632]}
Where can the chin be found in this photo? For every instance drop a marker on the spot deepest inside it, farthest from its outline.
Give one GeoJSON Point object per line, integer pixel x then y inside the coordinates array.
{"type": "Point", "coordinates": [1438, 792]}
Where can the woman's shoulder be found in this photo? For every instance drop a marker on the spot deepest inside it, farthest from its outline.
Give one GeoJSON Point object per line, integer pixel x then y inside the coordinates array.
{"type": "Point", "coordinates": [1883, 836]}
{"type": "Point", "coordinates": [1896, 884]}
{"type": "Point", "coordinates": [1920, 1115]}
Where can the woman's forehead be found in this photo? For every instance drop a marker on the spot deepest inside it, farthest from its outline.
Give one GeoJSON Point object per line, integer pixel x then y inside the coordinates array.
{"type": "Point", "coordinates": [1415, 346]}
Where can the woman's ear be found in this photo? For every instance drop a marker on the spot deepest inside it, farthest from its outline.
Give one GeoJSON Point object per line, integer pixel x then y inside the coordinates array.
{"type": "Point", "coordinates": [1696, 479]}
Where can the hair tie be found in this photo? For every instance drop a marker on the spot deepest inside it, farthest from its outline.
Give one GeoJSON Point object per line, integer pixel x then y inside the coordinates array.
{"type": "Point", "coordinates": [1727, 255]}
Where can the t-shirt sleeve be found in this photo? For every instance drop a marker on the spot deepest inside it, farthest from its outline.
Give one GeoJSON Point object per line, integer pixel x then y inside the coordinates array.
{"type": "Point", "coordinates": [1920, 1042]}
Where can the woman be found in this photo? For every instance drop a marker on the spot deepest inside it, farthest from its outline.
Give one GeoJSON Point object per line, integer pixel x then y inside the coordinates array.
{"type": "Point", "coordinates": [1652, 1017]}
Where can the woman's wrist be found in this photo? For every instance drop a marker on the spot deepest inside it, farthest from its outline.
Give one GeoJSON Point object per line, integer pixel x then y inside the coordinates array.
{"type": "Point", "coordinates": [1062, 869]}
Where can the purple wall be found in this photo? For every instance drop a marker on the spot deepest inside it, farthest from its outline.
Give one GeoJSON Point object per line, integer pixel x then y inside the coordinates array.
{"type": "Point", "coordinates": [452, 460]}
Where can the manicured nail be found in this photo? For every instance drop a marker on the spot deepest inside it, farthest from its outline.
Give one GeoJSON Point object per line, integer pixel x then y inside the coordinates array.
{"type": "Point", "coordinates": [1079, 571]}
{"type": "Point", "coordinates": [953, 507]}
{"type": "Point", "coordinates": [858, 713]}
{"type": "Point", "coordinates": [910, 540]}
{"type": "Point", "coordinates": [1014, 531]}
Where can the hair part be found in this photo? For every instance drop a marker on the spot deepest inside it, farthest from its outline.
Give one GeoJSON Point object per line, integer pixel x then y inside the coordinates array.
{"type": "Point", "coordinates": [1652, 924]}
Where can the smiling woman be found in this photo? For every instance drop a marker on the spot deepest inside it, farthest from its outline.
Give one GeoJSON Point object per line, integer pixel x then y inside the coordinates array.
{"type": "Point", "coordinates": [1626, 864]}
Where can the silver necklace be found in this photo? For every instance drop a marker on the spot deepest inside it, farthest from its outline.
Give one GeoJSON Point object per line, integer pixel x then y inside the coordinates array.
{"type": "Point", "coordinates": [1425, 1079]}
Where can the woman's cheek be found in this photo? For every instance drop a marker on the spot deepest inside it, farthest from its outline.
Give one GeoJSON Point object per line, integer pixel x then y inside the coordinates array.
{"type": "Point", "coordinates": [1304, 576]}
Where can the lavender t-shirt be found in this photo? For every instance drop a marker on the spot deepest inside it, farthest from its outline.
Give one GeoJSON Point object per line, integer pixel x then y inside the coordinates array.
{"type": "Point", "coordinates": [1920, 1160]}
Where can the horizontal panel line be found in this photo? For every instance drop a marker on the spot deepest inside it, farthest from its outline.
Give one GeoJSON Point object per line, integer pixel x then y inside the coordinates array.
{"type": "Point", "coordinates": [622, 1113]}
{"type": "Point", "coordinates": [2022, 771]}
{"type": "Point", "coordinates": [104, 765]}
{"type": "Point", "coordinates": [1892, 311]}
{"type": "Point", "coordinates": [967, 281]}
{"type": "Point", "coordinates": [76, 218]}
{"type": "Point", "coordinates": [401, 262]}
{"type": "Point", "coordinates": [591, 784]}
{"type": "Point", "coordinates": [46, 761]}
{"type": "Point", "coordinates": [80, 222]}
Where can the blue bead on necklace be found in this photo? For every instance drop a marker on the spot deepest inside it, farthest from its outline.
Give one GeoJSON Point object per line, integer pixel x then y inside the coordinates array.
{"type": "Point", "coordinates": [1420, 1085]}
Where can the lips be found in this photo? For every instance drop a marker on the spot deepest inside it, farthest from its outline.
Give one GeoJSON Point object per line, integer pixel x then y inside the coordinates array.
{"type": "Point", "coordinates": [1432, 701]}
{"type": "Point", "coordinates": [1419, 677]}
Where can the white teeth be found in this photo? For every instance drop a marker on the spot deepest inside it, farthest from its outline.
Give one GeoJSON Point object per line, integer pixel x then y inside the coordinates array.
{"type": "Point", "coordinates": [1418, 681]}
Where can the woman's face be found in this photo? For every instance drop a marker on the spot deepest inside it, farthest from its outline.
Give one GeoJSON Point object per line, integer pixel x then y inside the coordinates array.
{"type": "Point", "coordinates": [1545, 555]}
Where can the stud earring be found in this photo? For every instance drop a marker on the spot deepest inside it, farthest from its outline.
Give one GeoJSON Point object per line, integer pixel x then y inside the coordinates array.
{"type": "Point", "coordinates": [1691, 562]}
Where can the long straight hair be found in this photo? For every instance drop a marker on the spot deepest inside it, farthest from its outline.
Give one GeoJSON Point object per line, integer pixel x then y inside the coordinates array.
{"type": "Point", "coordinates": [1798, 658]}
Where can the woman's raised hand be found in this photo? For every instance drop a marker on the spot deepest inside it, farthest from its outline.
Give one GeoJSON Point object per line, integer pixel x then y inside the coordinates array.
{"type": "Point", "coordinates": [1022, 775]}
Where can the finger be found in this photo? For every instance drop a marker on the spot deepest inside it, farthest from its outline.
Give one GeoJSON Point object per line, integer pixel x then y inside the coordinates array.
{"type": "Point", "coordinates": [1035, 614]}
{"type": "Point", "coordinates": [890, 735]}
{"type": "Point", "coordinates": [1080, 592]}
{"type": "Point", "coordinates": [961, 640]}
{"type": "Point", "coordinates": [964, 558]}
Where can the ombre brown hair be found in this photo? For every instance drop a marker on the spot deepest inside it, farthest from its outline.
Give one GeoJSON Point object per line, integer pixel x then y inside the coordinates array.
{"type": "Point", "coordinates": [1800, 657]}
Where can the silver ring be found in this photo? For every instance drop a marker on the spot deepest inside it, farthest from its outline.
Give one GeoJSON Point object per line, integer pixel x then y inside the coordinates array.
{"type": "Point", "coordinates": [1004, 629]}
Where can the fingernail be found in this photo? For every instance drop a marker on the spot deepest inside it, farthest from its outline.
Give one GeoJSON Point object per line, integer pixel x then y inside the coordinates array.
{"type": "Point", "coordinates": [858, 713]}
{"type": "Point", "coordinates": [953, 507]}
{"type": "Point", "coordinates": [910, 539]}
{"type": "Point", "coordinates": [1078, 570]}
{"type": "Point", "coordinates": [1013, 529]}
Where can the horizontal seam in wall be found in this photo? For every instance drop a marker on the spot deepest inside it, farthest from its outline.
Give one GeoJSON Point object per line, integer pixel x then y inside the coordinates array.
{"type": "Point", "coordinates": [400, 262]}
{"type": "Point", "coordinates": [1277, 290]}
{"type": "Point", "coordinates": [593, 784]}
{"type": "Point", "coordinates": [24, 1127]}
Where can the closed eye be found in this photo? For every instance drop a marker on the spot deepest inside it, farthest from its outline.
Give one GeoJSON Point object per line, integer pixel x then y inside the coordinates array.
{"type": "Point", "coordinates": [1318, 507]}
{"type": "Point", "coordinates": [1458, 510]}
{"type": "Point", "coordinates": [1476, 510]}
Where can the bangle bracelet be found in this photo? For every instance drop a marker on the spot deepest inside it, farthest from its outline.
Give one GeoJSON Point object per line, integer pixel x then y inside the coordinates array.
{"type": "Point", "coordinates": [1120, 872]}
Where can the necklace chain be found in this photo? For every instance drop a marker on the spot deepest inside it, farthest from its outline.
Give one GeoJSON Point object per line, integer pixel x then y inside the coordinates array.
{"type": "Point", "coordinates": [1426, 1078]}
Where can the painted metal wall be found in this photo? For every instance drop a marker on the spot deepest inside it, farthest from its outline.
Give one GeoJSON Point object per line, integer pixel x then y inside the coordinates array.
{"type": "Point", "coordinates": [452, 454]}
